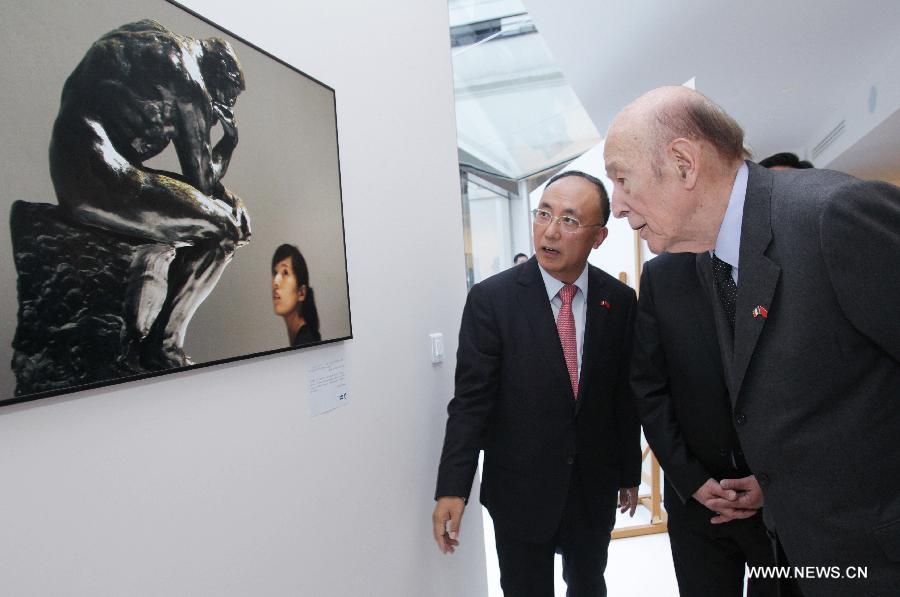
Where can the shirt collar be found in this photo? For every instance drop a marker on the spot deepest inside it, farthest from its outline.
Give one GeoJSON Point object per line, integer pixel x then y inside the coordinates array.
{"type": "Point", "coordinates": [553, 285]}
{"type": "Point", "coordinates": [728, 241]}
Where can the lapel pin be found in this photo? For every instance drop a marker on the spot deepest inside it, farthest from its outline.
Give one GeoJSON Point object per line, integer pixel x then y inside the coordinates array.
{"type": "Point", "coordinates": [760, 311]}
{"type": "Point", "coordinates": [605, 304]}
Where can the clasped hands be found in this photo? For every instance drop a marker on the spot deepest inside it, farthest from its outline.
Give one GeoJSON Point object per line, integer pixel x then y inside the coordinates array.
{"type": "Point", "coordinates": [730, 499]}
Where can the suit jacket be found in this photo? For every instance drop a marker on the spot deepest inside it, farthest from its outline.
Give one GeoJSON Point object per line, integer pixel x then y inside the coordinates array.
{"type": "Point", "coordinates": [679, 382]}
{"type": "Point", "coordinates": [815, 380]}
{"type": "Point", "coordinates": [514, 400]}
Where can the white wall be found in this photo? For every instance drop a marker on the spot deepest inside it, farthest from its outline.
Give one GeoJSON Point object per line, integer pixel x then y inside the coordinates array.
{"type": "Point", "coordinates": [217, 481]}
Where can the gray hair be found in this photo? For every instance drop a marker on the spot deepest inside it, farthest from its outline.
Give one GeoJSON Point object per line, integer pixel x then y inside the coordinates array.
{"type": "Point", "coordinates": [698, 118]}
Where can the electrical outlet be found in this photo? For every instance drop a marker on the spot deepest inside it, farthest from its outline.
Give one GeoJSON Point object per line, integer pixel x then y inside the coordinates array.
{"type": "Point", "coordinates": [437, 347]}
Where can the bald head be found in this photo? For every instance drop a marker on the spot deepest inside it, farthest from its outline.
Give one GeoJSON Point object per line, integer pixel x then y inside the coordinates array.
{"type": "Point", "coordinates": [660, 116]}
{"type": "Point", "coordinates": [672, 155]}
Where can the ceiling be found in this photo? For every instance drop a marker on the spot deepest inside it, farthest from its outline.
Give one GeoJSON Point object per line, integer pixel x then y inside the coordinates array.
{"type": "Point", "coordinates": [514, 110]}
{"type": "Point", "coordinates": [875, 156]}
{"type": "Point", "coordinates": [784, 70]}
{"type": "Point", "coordinates": [515, 113]}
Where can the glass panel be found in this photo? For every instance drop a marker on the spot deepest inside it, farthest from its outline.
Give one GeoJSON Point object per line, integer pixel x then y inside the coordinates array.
{"type": "Point", "coordinates": [514, 110]}
{"type": "Point", "coordinates": [488, 229]}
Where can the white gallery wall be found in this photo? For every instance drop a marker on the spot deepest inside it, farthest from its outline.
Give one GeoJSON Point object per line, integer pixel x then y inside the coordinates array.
{"type": "Point", "coordinates": [218, 481]}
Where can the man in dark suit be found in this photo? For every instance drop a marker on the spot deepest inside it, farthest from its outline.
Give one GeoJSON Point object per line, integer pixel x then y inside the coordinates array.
{"type": "Point", "coordinates": [800, 267]}
{"type": "Point", "coordinates": [682, 397]}
{"type": "Point", "coordinates": [542, 388]}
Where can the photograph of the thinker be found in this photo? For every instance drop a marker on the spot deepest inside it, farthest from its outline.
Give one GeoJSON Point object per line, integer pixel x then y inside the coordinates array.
{"type": "Point", "coordinates": [143, 144]}
{"type": "Point", "coordinates": [138, 88]}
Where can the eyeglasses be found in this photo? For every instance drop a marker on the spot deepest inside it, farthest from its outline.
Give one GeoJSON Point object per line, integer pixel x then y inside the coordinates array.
{"type": "Point", "coordinates": [570, 224]}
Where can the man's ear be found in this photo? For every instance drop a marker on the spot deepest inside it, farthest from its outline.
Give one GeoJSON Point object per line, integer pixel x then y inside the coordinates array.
{"type": "Point", "coordinates": [602, 233]}
{"type": "Point", "coordinates": [684, 155]}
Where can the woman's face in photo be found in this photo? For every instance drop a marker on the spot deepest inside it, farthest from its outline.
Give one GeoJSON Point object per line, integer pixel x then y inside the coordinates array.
{"type": "Point", "coordinates": [286, 293]}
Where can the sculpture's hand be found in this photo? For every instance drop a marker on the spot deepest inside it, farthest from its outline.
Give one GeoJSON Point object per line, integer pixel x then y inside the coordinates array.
{"type": "Point", "coordinates": [235, 221]}
{"type": "Point", "coordinates": [225, 115]}
{"type": "Point", "coordinates": [243, 221]}
{"type": "Point", "coordinates": [221, 193]}
{"type": "Point", "coordinates": [221, 153]}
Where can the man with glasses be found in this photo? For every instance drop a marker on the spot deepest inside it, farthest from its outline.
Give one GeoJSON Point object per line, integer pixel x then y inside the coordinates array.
{"type": "Point", "coordinates": [542, 388]}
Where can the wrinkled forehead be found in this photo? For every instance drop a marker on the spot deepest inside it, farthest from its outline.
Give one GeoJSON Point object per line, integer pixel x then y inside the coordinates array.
{"type": "Point", "coordinates": [616, 154]}
{"type": "Point", "coordinates": [628, 127]}
{"type": "Point", "coordinates": [624, 143]}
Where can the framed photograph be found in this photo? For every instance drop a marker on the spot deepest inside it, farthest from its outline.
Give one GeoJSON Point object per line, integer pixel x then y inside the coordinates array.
{"type": "Point", "coordinates": [172, 194]}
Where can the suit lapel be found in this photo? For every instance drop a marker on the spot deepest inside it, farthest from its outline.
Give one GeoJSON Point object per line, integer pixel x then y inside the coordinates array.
{"type": "Point", "coordinates": [535, 305]}
{"type": "Point", "coordinates": [757, 274]}
{"type": "Point", "coordinates": [595, 321]}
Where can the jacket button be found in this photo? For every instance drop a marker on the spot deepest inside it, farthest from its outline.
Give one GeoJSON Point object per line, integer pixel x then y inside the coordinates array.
{"type": "Point", "coordinates": [723, 452]}
{"type": "Point", "coordinates": [740, 418]}
{"type": "Point", "coordinates": [570, 460]}
{"type": "Point", "coordinates": [763, 479]}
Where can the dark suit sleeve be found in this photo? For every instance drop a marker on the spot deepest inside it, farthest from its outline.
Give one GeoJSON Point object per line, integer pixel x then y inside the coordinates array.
{"type": "Point", "coordinates": [650, 384]}
{"type": "Point", "coordinates": [860, 237]}
{"type": "Point", "coordinates": [477, 382]}
{"type": "Point", "coordinates": [627, 424]}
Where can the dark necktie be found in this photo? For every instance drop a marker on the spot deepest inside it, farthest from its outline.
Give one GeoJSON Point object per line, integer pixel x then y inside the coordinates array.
{"type": "Point", "coordinates": [725, 287]}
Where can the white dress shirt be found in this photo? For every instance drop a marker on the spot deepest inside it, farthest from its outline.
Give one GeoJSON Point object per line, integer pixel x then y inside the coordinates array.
{"type": "Point", "coordinates": [728, 241]}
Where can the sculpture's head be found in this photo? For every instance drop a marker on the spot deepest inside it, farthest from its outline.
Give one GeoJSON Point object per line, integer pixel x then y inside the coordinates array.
{"type": "Point", "coordinates": [221, 71]}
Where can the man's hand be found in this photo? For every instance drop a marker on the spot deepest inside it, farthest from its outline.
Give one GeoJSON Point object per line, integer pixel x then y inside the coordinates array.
{"type": "Point", "coordinates": [724, 515]}
{"type": "Point", "coordinates": [749, 499]}
{"type": "Point", "coordinates": [712, 490]}
{"type": "Point", "coordinates": [750, 494]}
{"type": "Point", "coordinates": [448, 509]}
{"type": "Point", "coordinates": [628, 500]}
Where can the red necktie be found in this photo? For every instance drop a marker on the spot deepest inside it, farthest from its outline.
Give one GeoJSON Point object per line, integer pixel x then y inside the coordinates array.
{"type": "Point", "coordinates": [565, 324]}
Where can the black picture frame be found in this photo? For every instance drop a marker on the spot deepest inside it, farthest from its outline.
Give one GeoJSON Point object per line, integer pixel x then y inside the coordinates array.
{"type": "Point", "coordinates": [286, 168]}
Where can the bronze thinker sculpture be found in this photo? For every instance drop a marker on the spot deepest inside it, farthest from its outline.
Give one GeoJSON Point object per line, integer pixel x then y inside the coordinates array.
{"type": "Point", "coordinates": [131, 252]}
